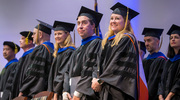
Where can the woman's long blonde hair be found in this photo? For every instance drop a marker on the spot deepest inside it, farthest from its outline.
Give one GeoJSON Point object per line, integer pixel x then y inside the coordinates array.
{"type": "Point", "coordinates": [120, 34]}
{"type": "Point", "coordinates": [68, 42]}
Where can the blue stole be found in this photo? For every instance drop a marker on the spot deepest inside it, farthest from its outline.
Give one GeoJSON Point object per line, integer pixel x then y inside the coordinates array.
{"type": "Point", "coordinates": [175, 58]}
{"type": "Point", "coordinates": [86, 40]}
{"type": "Point", "coordinates": [27, 52]}
{"type": "Point", "coordinates": [155, 55]}
{"type": "Point", "coordinates": [65, 48]}
{"type": "Point", "coordinates": [49, 44]}
{"type": "Point", "coordinates": [111, 37]}
{"type": "Point", "coordinates": [10, 62]}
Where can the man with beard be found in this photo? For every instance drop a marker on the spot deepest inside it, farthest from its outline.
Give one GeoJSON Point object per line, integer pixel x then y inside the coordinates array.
{"type": "Point", "coordinates": [153, 64]}
{"type": "Point", "coordinates": [35, 79]}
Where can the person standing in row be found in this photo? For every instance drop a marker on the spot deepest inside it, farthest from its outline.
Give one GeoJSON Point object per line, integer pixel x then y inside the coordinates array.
{"type": "Point", "coordinates": [169, 87]}
{"type": "Point", "coordinates": [36, 78]}
{"type": "Point", "coordinates": [153, 64]}
{"type": "Point", "coordinates": [64, 47]}
{"type": "Point", "coordinates": [10, 50]}
{"type": "Point", "coordinates": [26, 43]}
{"type": "Point", "coordinates": [119, 58]}
{"type": "Point", "coordinates": [83, 61]}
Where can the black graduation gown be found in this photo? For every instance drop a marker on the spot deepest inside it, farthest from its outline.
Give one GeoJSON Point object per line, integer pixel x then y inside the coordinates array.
{"type": "Point", "coordinates": [57, 73]}
{"type": "Point", "coordinates": [83, 63]}
{"type": "Point", "coordinates": [153, 70]}
{"type": "Point", "coordinates": [20, 72]}
{"type": "Point", "coordinates": [35, 79]}
{"type": "Point", "coordinates": [7, 76]}
{"type": "Point", "coordinates": [170, 80]}
{"type": "Point", "coordinates": [118, 70]}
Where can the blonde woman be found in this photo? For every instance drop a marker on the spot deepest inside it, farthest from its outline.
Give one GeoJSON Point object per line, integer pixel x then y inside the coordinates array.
{"type": "Point", "coordinates": [119, 58]}
{"type": "Point", "coordinates": [64, 47]}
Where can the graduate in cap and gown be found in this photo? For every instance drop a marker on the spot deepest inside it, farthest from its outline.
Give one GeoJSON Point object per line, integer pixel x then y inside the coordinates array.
{"type": "Point", "coordinates": [83, 60]}
{"type": "Point", "coordinates": [154, 62]}
{"type": "Point", "coordinates": [142, 49]}
{"type": "Point", "coordinates": [64, 47]}
{"type": "Point", "coordinates": [119, 58]}
{"type": "Point", "coordinates": [35, 78]}
{"type": "Point", "coordinates": [26, 43]}
{"type": "Point", "coordinates": [10, 50]}
{"type": "Point", "coordinates": [169, 87]}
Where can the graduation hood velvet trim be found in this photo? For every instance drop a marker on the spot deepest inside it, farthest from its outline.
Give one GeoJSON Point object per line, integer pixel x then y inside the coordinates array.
{"type": "Point", "coordinates": [155, 55]}
{"type": "Point", "coordinates": [49, 44]}
{"type": "Point", "coordinates": [111, 37]}
{"type": "Point", "coordinates": [84, 41]}
{"type": "Point", "coordinates": [10, 62]}
{"type": "Point", "coordinates": [27, 52]}
{"type": "Point", "coordinates": [175, 58]}
{"type": "Point", "coordinates": [63, 49]}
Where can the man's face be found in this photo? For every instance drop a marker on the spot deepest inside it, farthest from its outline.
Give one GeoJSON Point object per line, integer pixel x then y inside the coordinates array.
{"type": "Point", "coordinates": [22, 42]}
{"type": "Point", "coordinates": [151, 43]}
{"type": "Point", "coordinates": [84, 27]}
{"type": "Point", "coordinates": [8, 52]}
{"type": "Point", "coordinates": [34, 36]}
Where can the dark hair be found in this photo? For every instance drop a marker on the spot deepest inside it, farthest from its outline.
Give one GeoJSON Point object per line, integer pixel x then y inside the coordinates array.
{"type": "Point", "coordinates": [91, 22]}
{"type": "Point", "coordinates": [170, 52]}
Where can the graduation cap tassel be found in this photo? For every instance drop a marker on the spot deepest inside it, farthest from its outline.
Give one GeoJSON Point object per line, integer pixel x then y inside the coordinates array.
{"type": "Point", "coordinates": [160, 43]}
{"type": "Point", "coordinates": [26, 41]}
{"type": "Point", "coordinates": [126, 19]}
{"type": "Point", "coordinates": [16, 49]}
{"type": "Point", "coordinates": [74, 37]}
{"type": "Point", "coordinates": [37, 35]}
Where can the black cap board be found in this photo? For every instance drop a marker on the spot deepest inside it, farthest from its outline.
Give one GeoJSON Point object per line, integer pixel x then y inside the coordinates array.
{"type": "Point", "coordinates": [121, 9]}
{"type": "Point", "coordinates": [93, 15]}
{"type": "Point", "coordinates": [12, 45]}
{"type": "Point", "coordinates": [154, 32]}
{"type": "Point", "coordinates": [44, 27]}
{"type": "Point", "coordinates": [59, 25]}
{"type": "Point", "coordinates": [175, 29]}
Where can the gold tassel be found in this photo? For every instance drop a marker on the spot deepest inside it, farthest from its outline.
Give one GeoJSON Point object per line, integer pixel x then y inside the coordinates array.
{"type": "Point", "coordinates": [126, 19]}
{"type": "Point", "coordinates": [37, 35]}
{"type": "Point", "coordinates": [16, 49]}
{"type": "Point", "coordinates": [26, 41]}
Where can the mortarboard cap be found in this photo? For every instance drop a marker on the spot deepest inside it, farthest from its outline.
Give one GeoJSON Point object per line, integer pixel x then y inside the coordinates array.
{"type": "Point", "coordinates": [58, 25]}
{"type": "Point", "coordinates": [174, 30]}
{"type": "Point", "coordinates": [12, 45]}
{"type": "Point", "coordinates": [142, 46]}
{"type": "Point", "coordinates": [27, 34]}
{"type": "Point", "coordinates": [93, 15]}
{"type": "Point", "coordinates": [44, 27]}
{"type": "Point", "coordinates": [121, 9]}
{"type": "Point", "coordinates": [154, 32]}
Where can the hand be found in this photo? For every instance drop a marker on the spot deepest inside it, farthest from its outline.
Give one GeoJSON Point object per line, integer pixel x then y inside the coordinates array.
{"type": "Point", "coordinates": [170, 95]}
{"type": "Point", "coordinates": [161, 97]}
{"type": "Point", "coordinates": [66, 96]}
{"type": "Point", "coordinates": [168, 98]}
{"type": "Point", "coordinates": [95, 85]}
{"type": "Point", "coordinates": [76, 98]}
{"type": "Point", "coordinates": [20, 94]}
{"type": "Point", "coordinates": [55, 96]}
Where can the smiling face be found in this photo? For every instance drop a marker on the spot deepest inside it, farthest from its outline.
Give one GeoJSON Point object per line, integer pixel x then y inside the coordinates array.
{"type": "Point", "coordinates": [22, 42]}
{"type": "Point", "coordinates": [175, 41]}
{"type": "Point", "coordinates": [84, 27]}
{"type": "Point", "coordinates": [117, 23]}
{"type": "Point", "coordinates": [60, 36]}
